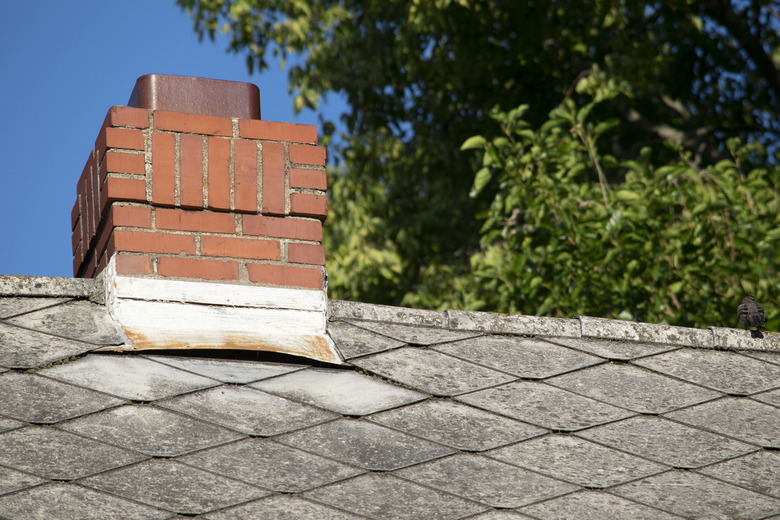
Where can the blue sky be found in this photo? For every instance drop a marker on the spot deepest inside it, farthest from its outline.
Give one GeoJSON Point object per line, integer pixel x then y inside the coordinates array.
{"type": "Point", "coordinates": [63, 65]}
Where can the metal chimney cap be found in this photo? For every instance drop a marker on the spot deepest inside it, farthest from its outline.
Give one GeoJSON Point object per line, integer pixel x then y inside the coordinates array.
{"type": "Point", "coordinates": [193, 95]}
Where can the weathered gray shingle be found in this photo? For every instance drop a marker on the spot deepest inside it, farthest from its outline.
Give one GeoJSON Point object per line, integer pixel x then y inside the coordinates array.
{"type": "Point", "coordinates": [24, 348]}
{"type": "Point", "coordinates": [58, 500]}
{"type": "Point", "coordinates": [520, 357]}
{"type": "Point", "coordinates": [651, 393]}
{"type": "Point", "coordinates": [272, 465]}
{"type": "Point", "coordinates": [129, 377]}
{"type": "Point", "coordinates": [58, 455]}
{"type": "Point", "coordinates": [383, 496]}
{"type": "Point", "coordinates": [175, 487]}
{"type": "Point", "coordinates": [667, 442]}
{"type": "Point", "coordinates": [151, 431]}
{"type": "Point", "coordinates": [347, 393]}
{"type": "Point", "coordinates": [40, 400]}
{"type": "Point", "coordinates": [694, 495]}
{"type": "Point", "coordinates": [487, 481]}
{"type": "Point", "coordinates": [432, 372]}
{"type": "Point", "coordinates": [365, 445]}
{"type": "Point", "coordinates": [435, 415]}
{"type": "Point", "coordinates": [226, 370]}
{"type": "Point", "coordinates": [575, 460]}
{"type": "Point", "coordinates": [248, 410]}
{"type": "Point", "coordinates": [545, 405]}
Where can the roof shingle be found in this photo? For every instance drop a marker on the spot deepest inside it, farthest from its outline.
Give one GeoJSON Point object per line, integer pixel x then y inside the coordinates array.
{"type": "Point", "coordinates": [436, 415]}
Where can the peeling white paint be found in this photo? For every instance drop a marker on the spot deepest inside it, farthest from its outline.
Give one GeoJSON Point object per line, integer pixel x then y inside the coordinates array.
{"type": "Point", "coordinates": [175, 314]}
{"type": "Point", "coordinates": [219, 294]}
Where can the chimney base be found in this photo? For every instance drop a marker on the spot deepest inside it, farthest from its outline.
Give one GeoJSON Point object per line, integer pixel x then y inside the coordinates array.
{"type": "Point", "coordinates": [174, 314]}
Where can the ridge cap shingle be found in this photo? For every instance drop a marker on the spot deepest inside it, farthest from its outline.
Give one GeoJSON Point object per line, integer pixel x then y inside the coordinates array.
{"type": "Point", "coordinates": [586, 327]}
{"type": "Point", "coordinates": [18, 285]}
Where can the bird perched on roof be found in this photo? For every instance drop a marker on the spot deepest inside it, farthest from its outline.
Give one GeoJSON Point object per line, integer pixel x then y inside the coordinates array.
{"type": "Point", "coordinates": [751, 315]}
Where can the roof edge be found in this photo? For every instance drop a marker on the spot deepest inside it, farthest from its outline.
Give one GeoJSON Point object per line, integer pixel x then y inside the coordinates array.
{"type": "Point", "coordinates": [586, 327]}
{"type": "Point", "coordinates": [48, 286]}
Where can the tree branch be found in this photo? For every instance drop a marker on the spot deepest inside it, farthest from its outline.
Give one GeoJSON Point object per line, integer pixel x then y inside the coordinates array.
{"type": "Point", "coordinates": [722, 11]}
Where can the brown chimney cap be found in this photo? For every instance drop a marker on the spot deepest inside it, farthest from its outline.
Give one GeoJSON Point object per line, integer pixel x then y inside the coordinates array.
{"type": "Point", "coordinates": [212, 97]}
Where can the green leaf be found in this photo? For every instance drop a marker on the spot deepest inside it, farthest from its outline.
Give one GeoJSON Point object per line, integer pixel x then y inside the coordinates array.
{"type": "Point", "coordinates": [480, 180]}
{"type": "Point", "coordinates": [773, 235]}
{"type": "Point", "coordinates": [605, 126]}
{"type": "Point", "coordinates": [475, 141]}
{"type": "Point", "coordinates": [626, 196]}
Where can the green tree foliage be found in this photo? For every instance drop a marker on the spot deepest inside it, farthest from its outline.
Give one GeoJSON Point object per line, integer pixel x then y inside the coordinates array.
{"type": "Point", "coordinates": [666, 94]}
{"type": "Point", "coordinates": [678, 242]}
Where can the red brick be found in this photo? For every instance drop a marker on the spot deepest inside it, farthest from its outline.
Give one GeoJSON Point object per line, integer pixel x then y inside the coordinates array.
{"type": "Point", "coordinates": [130, 216]}
{"type": "Point", "coordinates": [118, 189]}
{"type": "Point", "coordinates": [163, 168]}
{"type": "Point", "coordinates": [102, 173]}
{"type": "Point", "coordinates": [117, 162]}
{"type": "Point", "coordinates": [245, 176]}
{"type": "Point", "coordinates": [110, 247]}
{"type": "Point", "coordinates": [101, 265]}
{"type": "Point", "coordinates": [88, 194]}
{"type": "Point", "coordinates": [75, 212]}
{"type": "Point", "coordinates": [309, 205]}
{"type": "Point", "coordinates": [312, 254]}
{"type": "Point", "coordinates": [302, 154]}
{"type": "Point", "coordinates": [204, 221]}
{"type": "Point", "coordinates": [285, 275]}
{"type": "Point", "coordinates": [134, 264]}
{"type": "Point", "coordinates": [123, 216]}
{"type": "Point", "coordinates": [237, 247]}
{"type": "Point", "coordinates": [193, 123]}
{"type": "Point", "coordinates": [89, 266]}
{"type": "Point", "coordinates": [273, 131]}
{"type": "Point", "coordinates": [194, 268]}
{"type": "Point", "coordinates": [219, 174]}
{"type": "Point", "coordinates": [105, 235]}
{"type": "Point", "coordinates": [151, 242]}
{"type": "Point", "coordinates": [77, 261]}
{"type": "Point", "coordinates": [257, 225]}
{"type": "Point", "coordinates": [123, 138]}
{"type": "Point", "coordinates": [127, 116]}
{"type": "Point", "coordinates": [313, 179]}
{"type": "Point", "coordinates": [95, 214]}
{"type": "Point", "coordinates": [273, 179]}
{"type": "Point", "coordinates": [126, 138]}
{"type": "Point", "coordinates": [75, 239]}
{"type": "Point", "coordinates": [191, 171]}
{"type": "Point", "coordinates": [81, 197]}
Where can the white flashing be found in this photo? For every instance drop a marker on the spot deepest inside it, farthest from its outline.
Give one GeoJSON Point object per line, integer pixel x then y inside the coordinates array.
{"type": "Point", "coordinates": [219, 294]}
{"type": "Point", "coordinates": [175, 314]}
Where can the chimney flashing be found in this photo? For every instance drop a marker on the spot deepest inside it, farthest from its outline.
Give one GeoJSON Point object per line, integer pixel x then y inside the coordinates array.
{"type": "Point", "coordinates": [157, 314]}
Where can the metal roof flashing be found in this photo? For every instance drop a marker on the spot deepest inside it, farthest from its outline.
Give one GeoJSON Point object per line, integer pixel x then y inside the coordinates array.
{"type": "Point", "coordinates": [175, 314]}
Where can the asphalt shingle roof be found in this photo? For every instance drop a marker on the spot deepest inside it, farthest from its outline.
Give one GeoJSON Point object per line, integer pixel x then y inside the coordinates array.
{"type": "Point", "coordinates": [435, 415]}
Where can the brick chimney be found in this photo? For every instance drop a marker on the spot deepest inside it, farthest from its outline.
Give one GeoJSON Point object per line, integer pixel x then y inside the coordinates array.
{"type": "Point", "coordinates": [189, 198]}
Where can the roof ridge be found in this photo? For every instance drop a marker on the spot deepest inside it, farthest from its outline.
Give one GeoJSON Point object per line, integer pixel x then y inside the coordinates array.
{"type": "Point", "coordinates": [586, 327]}
{"type": "Point", "coordinates": [18, 285]}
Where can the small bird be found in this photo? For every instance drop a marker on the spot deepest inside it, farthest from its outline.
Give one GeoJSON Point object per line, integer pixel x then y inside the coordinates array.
{"type": "Point", "coordinates": [751, 315]}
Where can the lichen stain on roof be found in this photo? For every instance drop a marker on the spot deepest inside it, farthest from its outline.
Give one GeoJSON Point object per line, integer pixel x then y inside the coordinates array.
{"type": "Point", "coordinates": [435, 415]}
